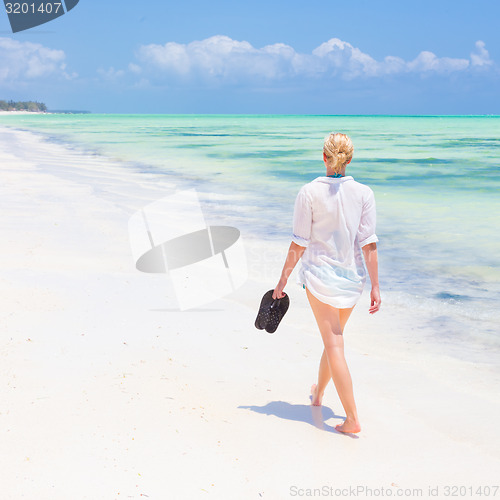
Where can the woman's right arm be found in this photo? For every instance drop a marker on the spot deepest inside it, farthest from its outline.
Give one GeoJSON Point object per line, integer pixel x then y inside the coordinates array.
{"type": "Point", "coordinates": [294, 254]}
{"type": "Point", "coordinates": [371, 260]}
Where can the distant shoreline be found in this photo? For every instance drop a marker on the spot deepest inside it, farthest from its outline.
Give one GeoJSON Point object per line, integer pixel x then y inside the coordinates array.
{"type": "Point", "coordinates": [57, 112]}
{"type": "Point", "coordinates": [82, 112]}
{"type": "Point", "coordinates": [2, 112]}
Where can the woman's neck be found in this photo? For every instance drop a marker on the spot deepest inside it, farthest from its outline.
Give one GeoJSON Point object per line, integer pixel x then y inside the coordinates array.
{"type": "Point", "coordinates": [331, 173]}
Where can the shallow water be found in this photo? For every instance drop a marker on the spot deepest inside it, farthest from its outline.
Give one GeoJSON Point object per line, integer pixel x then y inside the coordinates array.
{"type": "Point", "coordinates": [436, 182]}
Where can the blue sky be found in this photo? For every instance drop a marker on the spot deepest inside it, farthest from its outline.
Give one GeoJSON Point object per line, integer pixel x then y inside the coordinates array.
{"type": "Point", "coordinates": [319, 57]}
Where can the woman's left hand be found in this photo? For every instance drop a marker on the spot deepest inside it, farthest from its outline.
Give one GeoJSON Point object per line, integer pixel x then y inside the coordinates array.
{"type": "Point", "coordinates": [278, 291]}
{"type": "Point", "coordinates": [375, 300]}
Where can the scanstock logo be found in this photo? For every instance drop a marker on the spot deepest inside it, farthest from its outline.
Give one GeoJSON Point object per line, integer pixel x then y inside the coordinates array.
{"type": "Point", "coordinates": [31, 13]}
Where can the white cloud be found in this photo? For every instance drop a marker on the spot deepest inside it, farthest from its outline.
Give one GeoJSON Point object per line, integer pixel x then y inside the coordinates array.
{"type": "Point", "coordinates": [481, 57]}
{"type": "Point", "coordinates": [171, 56]}
{"type": "Point", "coordinates": [429, 62]}
{"type": "Point", "coordinates": [350, 62]}
{"type": "Point", "coordinates": [221, 58]}
{"type": "Point", "coordinates": [342, 56]}
{"type": "Point", "coordinates": [394, 65]}
{"type": "Point", "coordinates": [21, 61]}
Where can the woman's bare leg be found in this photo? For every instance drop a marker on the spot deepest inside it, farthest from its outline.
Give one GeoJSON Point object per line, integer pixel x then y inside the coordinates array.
{"type": "Point", "coordinates": [331, 327]}
{"type": "Point", "coordinates": [324, 374]}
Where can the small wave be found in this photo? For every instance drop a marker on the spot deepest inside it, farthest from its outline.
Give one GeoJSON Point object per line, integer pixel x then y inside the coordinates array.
{"type": "Point", "coordinates": [446, 306]}
{"type": "Point", "coordinates": [452, 296]}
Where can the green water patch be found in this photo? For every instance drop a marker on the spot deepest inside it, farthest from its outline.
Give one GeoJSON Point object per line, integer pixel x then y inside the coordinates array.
{"type": "Point", "coordinates": [409, 161]}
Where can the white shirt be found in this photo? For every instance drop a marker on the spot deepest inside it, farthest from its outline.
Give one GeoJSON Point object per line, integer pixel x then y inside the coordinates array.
{"type": "Point", "coordinates": [334, 218]}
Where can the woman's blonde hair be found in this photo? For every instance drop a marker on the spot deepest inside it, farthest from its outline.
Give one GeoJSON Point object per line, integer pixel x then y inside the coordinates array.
{"type": "Point", "coordinates": [338, 150]}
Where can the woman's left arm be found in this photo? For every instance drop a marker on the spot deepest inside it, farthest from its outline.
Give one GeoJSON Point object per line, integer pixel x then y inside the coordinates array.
{"type": "Point", "coordinates": [294, 254]}
{"type": "Point", "coordinates": [371, 260]}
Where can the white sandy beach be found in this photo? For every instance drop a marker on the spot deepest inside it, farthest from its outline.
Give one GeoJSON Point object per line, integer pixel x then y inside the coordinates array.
{"type": "Point", "coordinates": [109, 392]}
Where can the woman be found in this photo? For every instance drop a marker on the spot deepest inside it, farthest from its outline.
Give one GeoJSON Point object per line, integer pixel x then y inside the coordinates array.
{"type": "Point", "coordinates": [333, 224]}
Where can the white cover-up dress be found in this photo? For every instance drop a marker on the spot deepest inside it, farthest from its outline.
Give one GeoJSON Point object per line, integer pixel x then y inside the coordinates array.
{"type": "Point", "coordinates": [334, 218]}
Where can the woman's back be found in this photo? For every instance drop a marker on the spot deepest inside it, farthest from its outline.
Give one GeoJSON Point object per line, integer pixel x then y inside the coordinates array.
{"type": "Point", "coordinates": [334, 218]}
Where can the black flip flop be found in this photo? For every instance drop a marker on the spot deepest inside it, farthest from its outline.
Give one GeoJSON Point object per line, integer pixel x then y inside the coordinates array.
{"type": "Point", "coordinates": [271, 312]}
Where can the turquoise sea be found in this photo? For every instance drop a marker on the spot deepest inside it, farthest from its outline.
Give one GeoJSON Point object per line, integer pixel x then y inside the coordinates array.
{"type": "Point", "coordinates": [436, 182]}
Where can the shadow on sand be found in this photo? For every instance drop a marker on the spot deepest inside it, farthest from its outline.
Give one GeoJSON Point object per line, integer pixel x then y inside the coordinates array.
{"type": "Point", "coordinates": [313, 415]}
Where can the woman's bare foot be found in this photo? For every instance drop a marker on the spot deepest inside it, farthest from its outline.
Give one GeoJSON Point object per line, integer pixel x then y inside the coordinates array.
{"type": "Point", "coordinates": [316, 398]}
{"type": "Point", "coordinates": [349, 426]}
